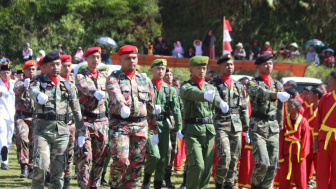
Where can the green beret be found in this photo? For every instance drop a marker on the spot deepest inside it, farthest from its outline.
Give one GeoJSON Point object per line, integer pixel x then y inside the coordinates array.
{"type": "Point", "coordinates": [224, 58]}
{"type": "Point", "coordinates": [263, 58]}
{"type": "Point", "coordinates": [159, 62]}
{"type": "Point", "coordinates": [199, 60]}
{"type": "Point", "coordinates": [103, 68]}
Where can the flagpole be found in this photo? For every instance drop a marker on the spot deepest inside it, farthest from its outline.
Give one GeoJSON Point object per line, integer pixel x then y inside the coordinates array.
{"type": "Point", "coordinates": [223, 35]}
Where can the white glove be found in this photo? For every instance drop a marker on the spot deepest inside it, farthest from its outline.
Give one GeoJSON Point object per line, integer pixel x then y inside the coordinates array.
{"type": "Point", "coordinates": [42, 98]}
{"type": "Point", "coordinates": [179, 135]}
{"type": "Point", "coordinates": [5, 94]}
{"type": "Point", "coordinates": [125, 112]}
{"type": "Point", "coordinates": [99, 95]}
{"type": "Point", "coordinates": [157, 109]}
{"type": "Point", "coordinates": [247, 137]}
{"type": "Point", "coordinates": [155, 140]}
{"type": "Point", "coordinates": [224, 107]}
{"type": "Point", "coordinates": [26, 82]}
{"type": "Point", "coordinates": [209, 95]}
{"type": "Point", "coordinates": [81, 141]}
{"type": "Point", "coordinates": [283, 96]}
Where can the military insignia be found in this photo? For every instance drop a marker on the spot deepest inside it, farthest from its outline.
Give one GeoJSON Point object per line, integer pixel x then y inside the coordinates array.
{"type": "Point", "coordinates": [183, 87]}
{"type": "Point", "coordinates": [252, 83]}
{"type": "Point", "coordinates": [99, 50]}
{"type": "Point", "coordinates": [164, 62]}
{"type": "Point", "coordinates": [207, 62]}
{"type": "Point", "coordinates": [44, 85]}
{"type": "Point", "coordinates": [33, 63]}
{"type": "Point", "coordinates": [135, 50]}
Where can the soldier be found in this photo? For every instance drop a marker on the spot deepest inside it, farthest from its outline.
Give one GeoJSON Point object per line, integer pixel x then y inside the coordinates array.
{"type": "Point", "coordinates": [24, 106]}
{"type": "Point", "coordinates": [199, 100]}
{"type": "Point", "coordinates": [132, 109]}
{"type": "Point", "coordinates": [266, 120]}
{"type": "Point", "coordinates": [91, 93]}
{"type": "Point", "coordinates": [165, 97]}
{"type": "Point", "coordinates": [229, 125]}
{"type": "Point", "coordinates": [52, 96]}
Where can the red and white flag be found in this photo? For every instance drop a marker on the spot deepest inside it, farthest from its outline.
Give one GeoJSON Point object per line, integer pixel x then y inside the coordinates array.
{"type": "Point", "coordinates": [227, 38]}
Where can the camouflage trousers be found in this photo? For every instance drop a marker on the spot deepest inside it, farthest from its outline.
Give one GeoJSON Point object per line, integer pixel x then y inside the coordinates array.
{"type": "Point", "coordinates": [172, 150]}
{"type": "Point", "coordinates": [128, 153]}
{"type": "Point", "coordinates": [71, 146]}
{"type": "Point", "coordinates": [266, 154]}
{"type": "Point", "coordinates": [94, 150]}
{"type": "Point", "coordinates": [24, 141]}
{"type": "Point", "coordinates": [50, 151]}
{"type": "Point", "coordinates": [228, 146]}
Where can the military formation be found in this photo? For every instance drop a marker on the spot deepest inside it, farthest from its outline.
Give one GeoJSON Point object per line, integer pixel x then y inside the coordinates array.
{"type": "Point", "coordinates": [130, 122]}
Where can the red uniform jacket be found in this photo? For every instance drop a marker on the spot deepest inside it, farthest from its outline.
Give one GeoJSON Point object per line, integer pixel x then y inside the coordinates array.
{"type": "Point", "coordinates": [310, 115]}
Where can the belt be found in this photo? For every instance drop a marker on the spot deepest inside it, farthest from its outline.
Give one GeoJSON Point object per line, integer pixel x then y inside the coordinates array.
{"type": "Point", "coordinates": [263, 116]}
{"type": "Point", "coordinates": [297, 142]}
{"type": "Point", "coordinates": [198, 121]}
{"type": "Point", "coordinates": [129, 119]}
{"type": "Point", "coordinates": [27, 114]}
{"type": "Point", "coordinates": [94, 115]}
{"type": "Point", "coordinates": [330, 131]}
{"type": "Point", "coordinates": [53, 117]}
{"type": "Point", "coordinates": [160, 117]}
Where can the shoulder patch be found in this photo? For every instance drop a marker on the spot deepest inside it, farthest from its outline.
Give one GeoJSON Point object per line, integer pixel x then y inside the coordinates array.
{"type": "Point", "coordinates": [183, 87]}
{"type": "Point", "coordinates": [252, 82]}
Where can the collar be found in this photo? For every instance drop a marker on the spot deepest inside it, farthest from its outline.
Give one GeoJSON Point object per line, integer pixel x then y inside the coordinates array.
{"type": "Point", "coordinates": [267, 78]}
{"type": "Point", "coordinates": [199, 81]}
{"type": "Point", "coordinates": [227, 80]}
{"type": "Point", "coordinates": [54, 79]}
{"type": "Point", "coordinates": [66, 77]}
{"type": "Point", "coordinates": [158, 83]}
{"type": "Point", "coordinates": [129, 74]}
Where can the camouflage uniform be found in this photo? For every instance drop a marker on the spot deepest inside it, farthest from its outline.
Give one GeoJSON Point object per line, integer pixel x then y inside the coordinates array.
{"type": "Point", "coordinates": [266, 120]}
{"type": "Point", "coordinates": [228, 129]}
{"type": "Point", "coordinates": [96, 122]}
{"type": "Point", "coordinates": [51, 132]}
{"type": "Point", "coordinates": [129, 136]}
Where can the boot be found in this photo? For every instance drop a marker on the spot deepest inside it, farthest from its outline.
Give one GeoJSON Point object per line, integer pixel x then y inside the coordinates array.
{"type": "Point", "coordinates": [157, 184]}
{"type": "Point", "coordinates": [66, 182]}
{"type": "Point", "coordinates": [93, 187]}
{"type": "Point", "coordinates": [168, 181]}
{"type": "Point", "coordinates": [76, 173]}
{"type": "Point", "coordinates": [219, 186]}
{"type": "Point", "coordinates": [103, 181]}
{"type": "Point", "coordinates": [47, 180]}
{"type": "Point", "coordinates": [146, 181]}
{"type": "Point", "coordinates": [31, 173]}
{"type": "Point", "coordinates": [183, 185]}
{"type": "Point", "coordinates": [228, 185]}
{"type": "Point", "coordinates": [4, 166]}
{"type": "Point", "coordinates": [24, 171]}
{"type": "Point", "coordinates": [4, 153]}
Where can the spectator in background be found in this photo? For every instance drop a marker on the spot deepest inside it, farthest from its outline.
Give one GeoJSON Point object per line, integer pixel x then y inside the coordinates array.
{"type": "Point", "coordinates": [312, 56]}
{"type": "Point", "coordinates": [211, 74]}
{"type": "Point", "coordinates": [190, 53]}
{"type": "Point", "coordinates": [27, 53]}
{"type": "Point", "coordinates": [178, 50]}
{"type": "Point", "coordinates": [41, 54]}
{"type": "Point", "coordinates": [60, 49]}
{"type": "Point", "coordinates": [267, 48]}
{"type": "Point", "coordinates": [209, 45]}
{"type": "Point", "coordinates": [150, 48]}
{"type": "Point", "coordinates": [3, 59]}
{"type": "Point", "coordinates": [161, 47]}
{"type": "Point", "coordinates": [198, 46]}
{"type": "Point", "coordinates": [239, 53]}
{"type": "Point", "coordinates": [293, 52]}
{"type": "Point", "coordinates": [14, 74]}
{"type": "Point", "coordinates": [104, 55]}
{"type": "Point", "coordinates": [19, 75]}
{"type": "Point", "coordinates": [79, 55]}
{"type": "Point", "coordinates": [328, 58]}
{"type": "Point", "coordinates": [283, 52]}
{"type": "Point", "coordinates": [303, 53]}
{"type": "Point", "coordinates": [255, 50]}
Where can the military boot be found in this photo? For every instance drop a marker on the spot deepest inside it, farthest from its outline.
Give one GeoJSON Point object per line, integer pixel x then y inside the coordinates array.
{"type": "Point", "coordinates": [4, 153]}
{"type": "Point", "coordinates": [183, 185]}
{"type": "Point", "coordinates": [31, 173]}
{"type": "Point", "coordinates": [168, 181]}
{"type": "Point", "coordinates": [228, 185]}
{"type": "Point", "coordinates": [24, 171]}
{"type": "Point", "coordinates": [47, 180]}
{"type": "Point", "coordinates": [103, 181]}
{"type": "Point", "coordinates": [146, 181]}
{"type": "Point", "coordinates": [66, 182]}
{"type": "Point", "coordinates": [157, 184]}
{"type": "Point", "coordinates": [219, 186]}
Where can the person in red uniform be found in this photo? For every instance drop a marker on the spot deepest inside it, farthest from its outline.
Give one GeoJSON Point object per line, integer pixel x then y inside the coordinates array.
{"type": "Point", "coordinates": [304, 96]}
{"type": "Point", "coordinates": [294, 84]}
{"type": "Point", "coordinates": [324, 137]}
{"type": "Point", "coordinates": [310, 112]}
{"type": "Point", "coordinates": [294, 147]}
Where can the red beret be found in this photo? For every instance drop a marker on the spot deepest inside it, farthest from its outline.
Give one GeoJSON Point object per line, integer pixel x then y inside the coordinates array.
{"type": "Point", "coordinates": [28, 64]}
{"type": "Point", "coordinates": [66, 58]}
{"type": "Point", "coordinates": [92, 50]}
{"type": "Point", "coordinates": [40, 62]}
{"type": "Point", "coordinates": [127, 49]}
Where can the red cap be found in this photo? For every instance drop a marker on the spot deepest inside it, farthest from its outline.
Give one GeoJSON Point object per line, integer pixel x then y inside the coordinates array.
{"type": "Point", "coordinates": [28, 64]}
{"type": "Point", "coordinates": [128, 49]}
{"type": "Point", "coordinates": [92, 50]}
{"type": "Point", "coordinates": [66, 58]}
{"type": "Point", "coordinates": [40, 62]}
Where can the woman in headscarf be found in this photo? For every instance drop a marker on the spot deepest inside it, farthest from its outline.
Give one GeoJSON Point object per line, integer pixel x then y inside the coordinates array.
{"type": "Point", "coordinates": [209, 45]}
{"type": "Point", "coordinates": [41, 54]}
{"type": "Point", "coordinates": [178, 51]}
{"type": "Point", "coordinates": [312, 56]}
{"type": "Point", "coordinates": [79, 55]}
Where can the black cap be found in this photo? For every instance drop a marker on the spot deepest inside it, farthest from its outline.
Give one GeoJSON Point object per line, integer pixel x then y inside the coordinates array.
{"type": "Point", "coordinates": [168, 69]}
{"type": "Point", "coordinates": [19, 72]}
{"type": "Point", "coordinates": [333, 74]}
{"type": "Point", "coordinates": [224, 58]}
{"type": "Point", "coordinates": [53, 55]}
{"type": "Point", "coordinates": [5, 67]}
{"type": "Point", "coordinates": [263, 58]}
{"type": "Point", "coordinates": [14, 70]}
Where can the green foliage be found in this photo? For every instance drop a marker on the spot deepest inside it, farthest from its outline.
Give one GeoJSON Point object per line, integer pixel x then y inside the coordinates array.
{"type": "Point", "coordinates": [321, 72]}
{"type": "Point", "coordinates": [182, 73]}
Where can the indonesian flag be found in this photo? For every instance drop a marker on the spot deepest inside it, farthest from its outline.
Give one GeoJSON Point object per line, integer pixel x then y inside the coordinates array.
{"type": "Point", "coordinates": [227, 38]}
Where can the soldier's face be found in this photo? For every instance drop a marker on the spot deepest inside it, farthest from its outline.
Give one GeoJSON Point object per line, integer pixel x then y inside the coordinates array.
{"type": "Point", "coordinates": [227, 68]}
{"type": "Point", "coordinates": [93, 60]}
{"type": "Point", "coordinates": [30, 72]}
{"type": "Point", "coordinates": [66, 68]}
{"type": "Point", "coordinates": [168, 78]}
{"type": "Point", "coordinates": [53, 68]}
{"type": "Point", "coordinates": [331, 84]}
{"type": "Point", "coordinates": [158, 72]}
{"type": "Point", "coordinates": [5, 75]}
{"type": "Point", "coordinates": [198, 71]}
{"type": "Point", "coordinates": [266, 67]}
{"type": "Point", "coordinates": [128, 61]}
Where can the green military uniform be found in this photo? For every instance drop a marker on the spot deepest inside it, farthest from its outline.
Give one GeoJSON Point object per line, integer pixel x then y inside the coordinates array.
{"type": "Point", "coordinates": [199, 131]}
{"type": "Point", "coordinates": [266, 121]}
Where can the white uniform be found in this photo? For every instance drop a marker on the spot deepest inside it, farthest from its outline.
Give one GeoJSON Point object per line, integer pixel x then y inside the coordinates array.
{"type": "Point", "coordinates": [7, 112]}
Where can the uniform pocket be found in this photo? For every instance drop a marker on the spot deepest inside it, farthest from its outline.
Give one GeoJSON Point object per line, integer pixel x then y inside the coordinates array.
{"type": "Point", "coordinates": [143, 94]}
{"type": "Point", "coordinates": [126, 91]}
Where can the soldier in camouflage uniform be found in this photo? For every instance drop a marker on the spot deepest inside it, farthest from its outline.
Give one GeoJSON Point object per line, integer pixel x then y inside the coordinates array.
{"type": "Point", "coordinates": [266, 121]}
{"type": "Point", "coordinates": [24, 119]}
{"type": "Point", "coordinates": [132, 109]}
{"type": "Point", "coordinates": [165, 97]}
{"type": "Point", "coordinates": [199, 99]}
{"type": "Point", "coordinates": [229, 125]}
{"type": "Point", "coordinates": [53, 96]}
{"type": "Point", "coordinates": [93, 145]}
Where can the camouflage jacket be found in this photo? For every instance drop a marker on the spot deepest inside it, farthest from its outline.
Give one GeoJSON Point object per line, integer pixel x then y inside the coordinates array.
{"type": "Point", "coordinates": [237, 117]}
{"type": "Point", "coordinates": [23, 101]}
{"type": "Point", "coordinates": [87, 85]}
{"type": "Point", "coordinates": [168, 109]}
{"type": "Point", "coordinates": [267, 113]}
{"type": "Point", "coordinates": [136, 93]}
{"type": "Point", "coordinates": [60, 100]}
{"type": "Point", "coordinates": [195, 106]}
